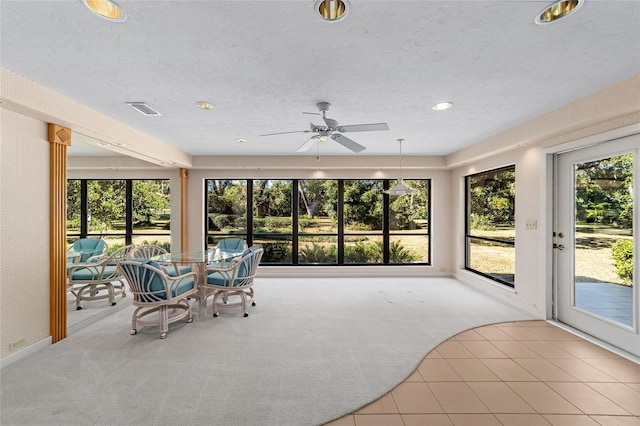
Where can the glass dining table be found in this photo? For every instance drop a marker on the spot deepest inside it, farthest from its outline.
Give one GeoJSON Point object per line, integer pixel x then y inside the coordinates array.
{"type": "Point", "coordinates": [199, 261]}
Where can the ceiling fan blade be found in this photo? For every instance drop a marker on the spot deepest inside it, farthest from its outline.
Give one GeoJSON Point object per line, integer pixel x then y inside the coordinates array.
{"type": "Point", "coordinates": [348, 143]}
{"type": "Point", "coordinates": [284, 133]}
{"type": "Point", "coordinates": [364, 127]}
{"type": "Point", "coordinates": [307, 145]}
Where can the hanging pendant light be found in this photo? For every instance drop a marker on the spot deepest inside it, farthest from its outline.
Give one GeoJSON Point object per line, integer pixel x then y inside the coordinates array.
{"type": "Point", "coordinates": [400, 188]}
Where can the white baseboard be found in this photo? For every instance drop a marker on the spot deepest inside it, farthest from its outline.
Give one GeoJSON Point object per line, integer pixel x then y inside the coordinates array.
{"type": "Point", "coordinates": [22, 353]}
{"type": "Point", "coordinates": [351, 271]}
{"type": "Point", "coordinates": [497, 290]}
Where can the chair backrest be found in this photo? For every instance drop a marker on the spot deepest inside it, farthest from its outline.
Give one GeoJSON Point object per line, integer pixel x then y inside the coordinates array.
{"type": "Point", "coordinates": [147, 251]}
{"type": "Point", "coordinates": [249, 262]}
{"type": "Point", "coordinates": [89, 247]}
{"type": "Point", "coordinates": [147, 281]}
{"type": "Point", "coordinates": [232, 244]}
{"type": "Point", "coordinates": [122, 253]}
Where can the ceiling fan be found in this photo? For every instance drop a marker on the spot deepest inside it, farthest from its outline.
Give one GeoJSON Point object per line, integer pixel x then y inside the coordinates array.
{"type": "Point", "coordinates": [331, 130]}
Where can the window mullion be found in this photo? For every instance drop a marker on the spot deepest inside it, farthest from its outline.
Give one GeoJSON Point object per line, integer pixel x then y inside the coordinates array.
{"type": "Point", "coordinates": [128, 211]}
{"type": "Point", "coordinates": [249, 212]}
{"type": "Point", "coordinates": [294, 220]}
{"type": "Point", "coordinates": [84, 208]}
{"type": "Point", "coordinates": [340, 214]}
{"type": "Point", "coordinates": [385, 223]}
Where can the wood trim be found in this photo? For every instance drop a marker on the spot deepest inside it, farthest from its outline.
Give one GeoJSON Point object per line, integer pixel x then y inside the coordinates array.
{"type": "Point", "coordinates": [59, 134]}
{"type": "Point", "coordinates": [60, 139]}
{"type": "Point", "coordinates": [184, 180]}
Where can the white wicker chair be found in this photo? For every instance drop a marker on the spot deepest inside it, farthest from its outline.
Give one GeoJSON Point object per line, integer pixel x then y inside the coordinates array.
{"type": "Point", "coordinates": [150, 251]}
{"type": "Point", "coordinates": [234, 279]}
{"type": "Point", "coordinates": [155, 291]}
{"type": "Point", "coordinates": [87, 280]}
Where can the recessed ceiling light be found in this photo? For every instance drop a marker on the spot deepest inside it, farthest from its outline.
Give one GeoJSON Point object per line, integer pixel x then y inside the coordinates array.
{"type": "Point", "coordinates": [332, 10]}
{"type": "Point", "coordinates": [442, 106]}
{"type": "Point", "coordinates": [204, 105]}
{"type": "Point", "coordinates": [558, 10]}
{"type": "Point", "coordinates": [106, 9]}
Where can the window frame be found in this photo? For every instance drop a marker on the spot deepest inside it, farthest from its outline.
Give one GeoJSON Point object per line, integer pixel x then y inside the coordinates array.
{"type": "Point", "coordinates": [295, 234]}
{"type": "Point", "coordinates": [468, 236]}
{"type": "Point", "coordinates": [129, 233]}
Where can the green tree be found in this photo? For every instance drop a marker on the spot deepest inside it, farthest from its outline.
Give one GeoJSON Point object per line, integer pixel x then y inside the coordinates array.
{"type": "Point", "coordinates": [492, 197]}
{"type": "Point", "coordinates": [407, 210]}
{"type": "Point", "coordinates": [73, 204]}
{"type": "Point", "coordinates": [604, 191]}
{"type": "Point", "coordinates": [150, 199]}
{"type": "Point", "coordinates": [106, 202]}
{"type": "Point", "coordinates": [363, 203]}
{"type": "Point", "coordinates": [312, 194]}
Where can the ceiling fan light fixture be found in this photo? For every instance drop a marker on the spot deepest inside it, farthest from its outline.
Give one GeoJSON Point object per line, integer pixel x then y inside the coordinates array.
{"type": "Point", "coordinates": [106, 9]}
{"type": "Point", "coordinates": [332, 10]}
{"type": "Point", "coordinates": [558, 10]}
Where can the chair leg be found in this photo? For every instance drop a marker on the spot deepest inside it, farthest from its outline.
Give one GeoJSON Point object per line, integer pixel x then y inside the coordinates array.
{"type": "Point", "coordinates": [164, 321]}
{"type": "Point", "coordinates": [112, 298]}
{"type": "Point", "coordinates": [243, 300]}
{"type": "Point", "coordinates": [216, 296]}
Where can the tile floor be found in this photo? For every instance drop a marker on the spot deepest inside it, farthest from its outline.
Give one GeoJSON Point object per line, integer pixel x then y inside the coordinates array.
{"type": "Point", "coordinates": [517, 373]}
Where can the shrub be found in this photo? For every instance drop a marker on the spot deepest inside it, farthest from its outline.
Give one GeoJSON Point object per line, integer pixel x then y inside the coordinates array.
{"type": "Point", "coordinates": [622, 255]}
{"type": "Point", "coordinates": [276, 253]}
{"type": "Point", "coordinates": [363, 253]}
{"type": "Point", "coordinates": [278, 224]}
{"type": "Point", "coordinates": [481, 222]}
{"type": "Point", "coordinates": [317, 253]}
{"type": "Point", "coordinates": [218, 222]}
{"type": "Point", "coordinates": [304, 222]}
{"type": "Point", "coordinates": [399, 254]}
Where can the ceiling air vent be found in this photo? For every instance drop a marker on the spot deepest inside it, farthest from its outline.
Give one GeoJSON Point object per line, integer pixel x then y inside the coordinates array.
{"type": "Point", "coordinates": [143, 108]}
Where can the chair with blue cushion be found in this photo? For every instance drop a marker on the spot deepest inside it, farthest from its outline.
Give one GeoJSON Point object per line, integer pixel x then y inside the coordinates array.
{"type": "Point", "coordinates": [232, 244]}
{"type": "Point", "coordinates": [236, 278]}
{"type": "Point", "coordinates": [89, 248]}
{"type": "Point", "coordinates": [155, 291]}
{"type": "Point", "coordinates": [89, 280]}
{"type": "Point", "coordinates": [151, 251]}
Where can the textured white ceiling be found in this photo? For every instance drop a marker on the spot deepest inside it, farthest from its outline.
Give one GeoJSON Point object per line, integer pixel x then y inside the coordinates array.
{"type": "Point", "coordinates": [262, 63]}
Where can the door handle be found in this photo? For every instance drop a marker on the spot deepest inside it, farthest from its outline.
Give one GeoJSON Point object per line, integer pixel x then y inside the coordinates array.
{"type": "Point", "coordinates": [558, 246]}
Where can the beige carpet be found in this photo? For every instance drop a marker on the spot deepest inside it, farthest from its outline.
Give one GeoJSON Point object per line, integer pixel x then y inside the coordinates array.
{"type": "Point", "coordinates": [310, 351]}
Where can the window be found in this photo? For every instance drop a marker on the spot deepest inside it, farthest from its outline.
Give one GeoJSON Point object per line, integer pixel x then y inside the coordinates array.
{"type": "Point", "coordinates": [490, 227]}
{"type": "Point", "coordinates": [317, 221]}
{"type": "Point", "coordinates": [409, 224]}
{"type": "Point", "coordinates": [120, 211]}
{"type": "Point", "coordinates": [272, 218]}
{"type": "Point", "coordinates": [226, 206]}
{"type": "Point", "coordinates": [322, 221]}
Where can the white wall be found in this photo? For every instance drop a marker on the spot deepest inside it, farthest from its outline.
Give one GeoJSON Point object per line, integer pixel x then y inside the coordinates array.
{"type": "Point", "coordinates": [529, 289]}
{"type": "Point", "coordinates": [24, 231]}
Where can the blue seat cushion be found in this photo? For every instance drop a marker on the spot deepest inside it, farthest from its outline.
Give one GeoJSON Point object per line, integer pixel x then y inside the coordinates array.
{"type": "Point", "coordinates": [184, 286]}
{"type": "Point", "coordinates": [216, 278]}
{"type": "Point", "coordinates": [88, 274]}
{"type": "Point", "coordinates": [171, 271]}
